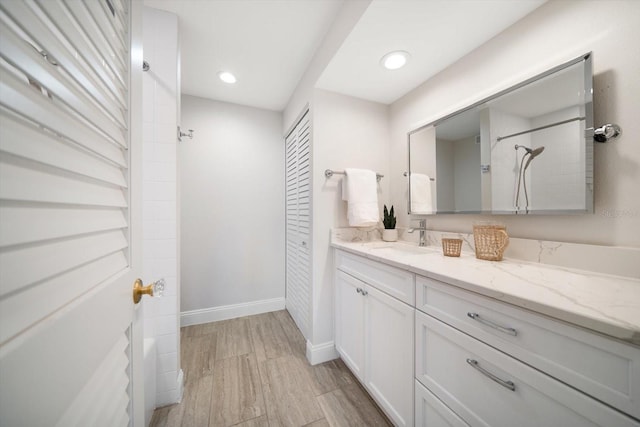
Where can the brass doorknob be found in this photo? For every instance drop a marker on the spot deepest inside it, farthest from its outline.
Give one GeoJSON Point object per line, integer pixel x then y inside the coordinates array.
{"type": "Point", "coordinates": [154, 289]}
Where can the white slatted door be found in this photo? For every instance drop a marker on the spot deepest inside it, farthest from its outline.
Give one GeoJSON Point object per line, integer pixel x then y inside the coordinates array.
{"type": "Point", "coordinates": [69, 217]}
{"type": "Point", "coordinates": [298, 218]}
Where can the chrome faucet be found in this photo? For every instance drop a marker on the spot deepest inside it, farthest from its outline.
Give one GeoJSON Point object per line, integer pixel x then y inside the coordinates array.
{"type": "Point", "coordinates": [423, 232]}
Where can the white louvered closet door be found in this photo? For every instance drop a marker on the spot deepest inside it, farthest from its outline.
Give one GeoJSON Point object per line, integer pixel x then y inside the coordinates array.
{"type": "Point", "coordinates": [69, 245]}
{"type": "Point", "coordinates": [298, 191]}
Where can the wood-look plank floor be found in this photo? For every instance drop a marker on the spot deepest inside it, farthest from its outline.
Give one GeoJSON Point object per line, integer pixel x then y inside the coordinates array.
{"type": "Point", "coordinates": [252, 372]}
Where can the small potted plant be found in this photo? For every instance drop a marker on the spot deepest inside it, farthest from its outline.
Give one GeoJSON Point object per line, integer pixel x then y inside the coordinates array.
{"type": "Point", "coordinates": [389, 234]}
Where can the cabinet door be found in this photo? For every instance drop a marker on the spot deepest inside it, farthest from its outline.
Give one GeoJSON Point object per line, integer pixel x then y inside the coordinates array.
{"type": "Point", "coordinates": [431, 412]}
{"type": "Point", "coordinates": [389, 354]}
{"type": "Point", "coordinates": [350, 322]}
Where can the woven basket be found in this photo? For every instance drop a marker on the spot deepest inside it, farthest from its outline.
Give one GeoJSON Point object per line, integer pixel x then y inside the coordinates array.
{"type": "Point", "coordinates": [491, 241]}
{"type": "Point", "coordinates": [451, 247]}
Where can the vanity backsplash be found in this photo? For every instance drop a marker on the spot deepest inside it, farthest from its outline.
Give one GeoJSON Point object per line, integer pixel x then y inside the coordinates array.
{"type": "Point", "coordinates": [620, 261]}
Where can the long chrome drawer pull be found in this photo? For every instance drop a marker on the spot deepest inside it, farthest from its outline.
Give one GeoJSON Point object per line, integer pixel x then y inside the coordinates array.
{"type": "Point", "coordinates": [476, 316]}
{"type": "Point", "coordinates": [507, 384]}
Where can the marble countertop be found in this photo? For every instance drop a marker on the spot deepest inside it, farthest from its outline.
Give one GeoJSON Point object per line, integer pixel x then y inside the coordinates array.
{"type": "Point", "coordinates": [603, 303]}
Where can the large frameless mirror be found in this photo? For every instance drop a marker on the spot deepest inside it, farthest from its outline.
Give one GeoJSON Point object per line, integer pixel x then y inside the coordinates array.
{"type": "Point", "coordinates": [525, 150]}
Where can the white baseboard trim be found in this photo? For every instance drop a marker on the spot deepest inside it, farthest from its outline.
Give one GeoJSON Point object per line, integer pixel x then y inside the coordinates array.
{"type": "Point", "coordinates": [213, 314]}
{"type": "Point", "coordinates": [321, 353]}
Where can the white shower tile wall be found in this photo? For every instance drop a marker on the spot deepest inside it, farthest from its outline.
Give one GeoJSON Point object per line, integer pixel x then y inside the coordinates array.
{"type": "Point", "coordinates": [160, 231]}
{"type": "Point", "coordinates": [560, 176]}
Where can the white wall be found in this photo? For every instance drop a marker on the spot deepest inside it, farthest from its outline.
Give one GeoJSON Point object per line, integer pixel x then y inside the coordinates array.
{"type": "Point", "coordinates": [467, 174]}
{"type": "Point", "coordinates": [552, 34]}
{"type": "Point", "coordinates": [445, 167]}
{"type": "Point", "coordinates": [347, 132]}
{"type": "Point", "coordinates": [161, 88]}
{"type": "Point", "coordinates": [232, 207]}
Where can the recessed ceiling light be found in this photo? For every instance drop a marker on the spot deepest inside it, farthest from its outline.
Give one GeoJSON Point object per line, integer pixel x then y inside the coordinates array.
{"type": "Point", "coordinates": [395, 60]}
{"type": "Point", "coordinates": [227, 77]}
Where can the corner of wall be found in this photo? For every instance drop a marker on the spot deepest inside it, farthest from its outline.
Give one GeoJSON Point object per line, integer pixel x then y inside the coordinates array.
{"type": "Point", "coordinates": [159, 194]}
{"type": "Point", "coordinates": [336, 146]}
{"type": "Point", "coordinates": [345, 21]}
{"type": "Point", "coordinates": [321, 353]}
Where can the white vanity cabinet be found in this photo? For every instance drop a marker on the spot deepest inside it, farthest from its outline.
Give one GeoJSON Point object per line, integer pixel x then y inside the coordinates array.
{"type": "Point", "coordinates": [482, 361]}
{"type": "Point", "coordinates": [494, 364]}
{"type": "Point", "coordinates": [374, 331]}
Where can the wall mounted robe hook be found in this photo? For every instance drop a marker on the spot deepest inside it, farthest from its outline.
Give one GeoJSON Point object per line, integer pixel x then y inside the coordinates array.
{"type": "Point", "coordinates": [607, 132]}
{"type": "Point", "coordinates": [187, 134]}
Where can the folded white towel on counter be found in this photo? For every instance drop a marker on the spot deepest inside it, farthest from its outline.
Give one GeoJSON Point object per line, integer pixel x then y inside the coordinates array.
{"type": "Point", "coordinates": [360, 190]}
{"type": "Point", "coordinates": [421, 193]}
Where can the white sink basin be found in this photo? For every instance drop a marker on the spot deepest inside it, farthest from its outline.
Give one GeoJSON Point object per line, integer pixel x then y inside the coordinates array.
{"type": "Point", "coordinates": [399, 247]}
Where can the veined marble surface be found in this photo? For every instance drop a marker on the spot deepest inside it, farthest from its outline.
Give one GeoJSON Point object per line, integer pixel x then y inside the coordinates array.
{"type": "Point", "coordinates": [620, 261]}
{"type": "Point", "coordinates": [604, 303]}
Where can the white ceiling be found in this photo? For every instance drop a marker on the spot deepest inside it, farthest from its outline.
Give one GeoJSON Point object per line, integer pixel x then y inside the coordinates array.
{"type": "Point", "coordinates": [436, 33]}
{"type": "Point", "coordinates": [268, 44]}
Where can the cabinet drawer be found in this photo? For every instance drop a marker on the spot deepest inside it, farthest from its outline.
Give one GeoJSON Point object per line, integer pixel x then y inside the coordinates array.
{"type": "Point", "coordinates": [393, 281]}
{"type": "Point", "coordinates": [603, 368]}
{"type": "Point", "coordinates": [458, 369]}
{"type": "Point", "coordinates": [431, 412]}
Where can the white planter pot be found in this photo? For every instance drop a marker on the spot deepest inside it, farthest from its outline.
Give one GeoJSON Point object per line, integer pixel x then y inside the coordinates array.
{"type": "Point", "coordinates": [389, 235]}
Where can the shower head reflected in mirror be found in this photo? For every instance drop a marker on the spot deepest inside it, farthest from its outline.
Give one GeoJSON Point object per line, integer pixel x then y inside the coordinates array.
{"type": "Point", "coordinates": [531, 153]}
{"type": "Point", "coordinates": [536, 151]}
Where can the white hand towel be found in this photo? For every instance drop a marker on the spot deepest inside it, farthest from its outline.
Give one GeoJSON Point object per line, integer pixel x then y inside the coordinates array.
{"type": "Point", "coordinates": [421, 193]}
{"type": "Point", "coordinates": [360, 190]}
